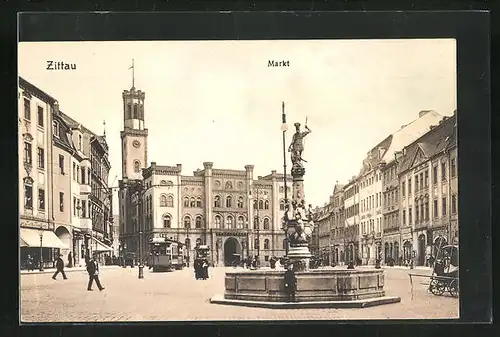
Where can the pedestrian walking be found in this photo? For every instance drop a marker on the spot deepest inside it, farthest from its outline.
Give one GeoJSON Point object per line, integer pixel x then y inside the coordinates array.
{"type": "Point", "coordinates": [290, 283]}
{"type": "Point", "coordinates": [93, 270]}
{"type": "Point", "coordinates": [30, 262]}
{"type": "Point", "coordinates": [59, 268]}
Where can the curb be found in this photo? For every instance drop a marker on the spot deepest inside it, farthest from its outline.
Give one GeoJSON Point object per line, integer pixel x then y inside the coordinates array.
{"type": "Point", "coordinates": [219, 299]}
{"type": "Point", "coordinates": [66, 270]}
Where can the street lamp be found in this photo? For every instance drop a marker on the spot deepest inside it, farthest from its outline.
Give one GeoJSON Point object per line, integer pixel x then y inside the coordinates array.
{"type": "Point", "coordinates": [284, 128]}
{"type": "Point", "coordinates": [257, 218]}
{"type": "Point", "coordinates": [248, 242]}
{"type": "Point", "coordinates": [41, 249]}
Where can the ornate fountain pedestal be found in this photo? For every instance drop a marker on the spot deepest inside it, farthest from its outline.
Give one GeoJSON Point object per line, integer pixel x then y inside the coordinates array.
{"type": "Point", "coordinates": [318, 288]}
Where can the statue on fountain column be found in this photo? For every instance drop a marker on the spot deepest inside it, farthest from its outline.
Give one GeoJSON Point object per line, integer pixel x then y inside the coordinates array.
{"type": "Point", "coordinates": [297, 145]}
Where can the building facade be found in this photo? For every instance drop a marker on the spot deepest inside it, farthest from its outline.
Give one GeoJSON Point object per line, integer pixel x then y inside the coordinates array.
{"type": "Point", "coordinates": [428, 180]}
{"type": "Point", "coordinates": [62, 180]}
{"type": "Point", "coordinates": [390, 212]}
{"type": "Point", "coordinates": [36, 205]}
{"type": "Point", "coordinates": [403, 203]}
{"type": "Point", "coordinates": [337, 232]}
{"type": "Point", "coordinates": [352, 220]}
{"type": "Point", "coordinates": [229, 210]}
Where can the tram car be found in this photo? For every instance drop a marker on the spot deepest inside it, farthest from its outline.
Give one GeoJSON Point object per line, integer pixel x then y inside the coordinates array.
{"type": "Point", "coordinates": [166, 254]}
{"type": "Point", "coordinates": [445, 272]}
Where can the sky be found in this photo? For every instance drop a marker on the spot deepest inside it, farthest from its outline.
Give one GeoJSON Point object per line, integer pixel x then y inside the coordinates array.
{"type": "Point", "coordinates": [219, 101]}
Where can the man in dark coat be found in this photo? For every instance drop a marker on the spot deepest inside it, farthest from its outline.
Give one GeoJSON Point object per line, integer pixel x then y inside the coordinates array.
{"type": "Point", "coordinates": [59, 268]}
{"type": "Point", "coordinates": [93, 270]}
{"type": "Point", "coordinates": [290, 283]}
{"type": "Point", "coordinates": [70, 260]}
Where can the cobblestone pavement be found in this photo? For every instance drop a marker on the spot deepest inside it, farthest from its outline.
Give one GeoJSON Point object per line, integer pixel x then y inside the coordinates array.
{"type": "Point", "coordinates": [177, 296]}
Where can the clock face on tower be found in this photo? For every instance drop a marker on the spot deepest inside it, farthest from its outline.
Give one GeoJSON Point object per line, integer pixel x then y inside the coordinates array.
{"type": "Point", "coordinates": [136, 143]}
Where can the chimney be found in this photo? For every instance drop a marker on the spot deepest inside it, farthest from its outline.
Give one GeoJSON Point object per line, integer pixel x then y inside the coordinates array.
{"type": "Point", "coordinates": [273, 172]}
{"type": "Point", "coordinates": [56, 108]}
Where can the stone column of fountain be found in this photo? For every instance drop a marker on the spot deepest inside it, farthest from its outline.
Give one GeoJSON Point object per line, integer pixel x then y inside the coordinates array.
{"type": "Point", "coordinates": [298, 221]}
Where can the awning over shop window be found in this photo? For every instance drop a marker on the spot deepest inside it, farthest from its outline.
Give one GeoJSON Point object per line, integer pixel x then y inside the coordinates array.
{"type": "Point", "coordinates": [31, 238]}
{"type": "Point", "coordinates": [99, 246]}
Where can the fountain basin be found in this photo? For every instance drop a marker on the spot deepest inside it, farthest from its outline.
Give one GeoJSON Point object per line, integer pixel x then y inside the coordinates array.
{"type": "Point", "coordinates": [326, 287]}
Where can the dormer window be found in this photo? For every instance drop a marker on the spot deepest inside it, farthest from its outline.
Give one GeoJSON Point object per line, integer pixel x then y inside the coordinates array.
{"type": "Point", "coordinates": [80, 142]}
{"type": "Point", "coordinates": [55, 129]}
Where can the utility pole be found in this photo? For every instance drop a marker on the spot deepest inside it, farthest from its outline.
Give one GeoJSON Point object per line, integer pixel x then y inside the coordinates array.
{"type": "Point", "coordinates": [284, 128]}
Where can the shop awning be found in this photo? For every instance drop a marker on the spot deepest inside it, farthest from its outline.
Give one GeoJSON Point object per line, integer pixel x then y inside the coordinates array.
{"type": "Point", "coordinates": [31, 238]}
{"type": "Point", "coordinates": [99, 246]}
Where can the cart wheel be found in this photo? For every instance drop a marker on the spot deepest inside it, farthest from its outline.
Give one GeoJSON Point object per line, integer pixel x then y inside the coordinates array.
{"type": "Point", "coordinates": [437, 287]}
{"type": "Point", "coordinates": [453, 288]}
{"type": "Point", "coordinates": [432, 286]}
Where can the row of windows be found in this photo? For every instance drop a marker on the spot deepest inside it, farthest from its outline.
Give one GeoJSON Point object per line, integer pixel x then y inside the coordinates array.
{"type": "Point", "coordinates": [422, 210]}
{"type": "Point", "coordinates": [189, 202]}
{"type": "Point", "coordinates": [81, 174]}
{"type": "Point", "coordinates": [391, 198]}
{"type": "Point", "coordinates": [28, 198]}
{"type": "Point", "coordinates": [370, 181]}
{"type": "Point", "coordinates": [390, 174]}
{"type": "Point", "coordinates": [351, 192]}
{"type": "Point", "coordinates": [219, 223]}
{"type": "Point", "coordinates": [27, 112]}
{"type": "Point", "coordinates": [371, 202]}
{"type": "Point", "coordinates": [369, 226]}
{"type": "Point", "coordinates": [80, 208]}
{"type": "Point", "coordinates": [352, 211]}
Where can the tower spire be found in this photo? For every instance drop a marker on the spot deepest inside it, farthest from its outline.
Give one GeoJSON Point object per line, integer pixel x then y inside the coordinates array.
{"type": "Point", "coordinates": [133, 74]}
{"type": "Point", "coordinates": [104, 125]}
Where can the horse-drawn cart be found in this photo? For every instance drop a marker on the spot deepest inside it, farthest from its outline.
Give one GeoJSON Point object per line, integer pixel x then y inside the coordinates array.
{"type": "Point", "coordinates": [444, 277]}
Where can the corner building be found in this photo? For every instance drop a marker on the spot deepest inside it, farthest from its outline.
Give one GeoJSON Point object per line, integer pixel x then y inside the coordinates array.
{"type": "Point", "coordinates": [226, 209]}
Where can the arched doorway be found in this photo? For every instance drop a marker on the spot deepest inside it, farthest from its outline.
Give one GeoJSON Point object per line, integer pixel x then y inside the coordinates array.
{"type": "Point", "coordinates": [421, 250]}
{"type": "Point", "coordinates": [64, 235]}
{"type": "Point", "coordinates": [231, 247]}
{"type": "Point", "coordinates": [387, 254]}
{"type": "Point", "coordinates": [396, 254]}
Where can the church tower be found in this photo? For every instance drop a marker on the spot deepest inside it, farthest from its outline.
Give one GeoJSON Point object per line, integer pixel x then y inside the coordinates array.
{"type": "Point", "coordinates": [134, 135]}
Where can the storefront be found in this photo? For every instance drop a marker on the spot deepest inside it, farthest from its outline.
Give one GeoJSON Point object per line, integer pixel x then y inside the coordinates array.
{"type": "Point", "coordinates": [36, 243]}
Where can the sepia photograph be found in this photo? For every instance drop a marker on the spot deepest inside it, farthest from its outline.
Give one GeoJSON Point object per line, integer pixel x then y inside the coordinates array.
{"type": "Point", "coordinates": [237, 180]}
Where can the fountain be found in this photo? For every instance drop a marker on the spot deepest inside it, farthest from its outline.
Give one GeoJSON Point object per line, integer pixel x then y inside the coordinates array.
{"type": "Point", "coordinates": [316, 288]}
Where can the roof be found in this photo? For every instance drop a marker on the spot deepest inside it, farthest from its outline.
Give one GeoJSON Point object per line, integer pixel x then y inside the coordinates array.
{"type": "Point", "coordinates": [385, 150]}
{"type": "Point", "coordinates": [436, 140]}
{"type": "Point", "coordinates": [36, 91]}
{"type": "Point", "coordinates": [411, 132]}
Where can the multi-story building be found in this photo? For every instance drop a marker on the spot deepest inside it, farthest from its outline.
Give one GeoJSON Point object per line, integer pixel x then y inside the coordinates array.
{"type": "Point", "coordinates": [62, 180]}
{"type": "Point", "coordinates": [370, 213]}
{"type": "Point", "coordinates": [370, 180]}
{"type": "Point", "coordinates": [428, 180]}
{"type": "Point", "coordinates": [116, 235]}
{"type": "Point", "coordinates": [337, 221]}
{"type": "Point", "coordinates": [352, 220]}
{"type": "Point", "coordinates": [225, 209]}
{"type": "Point", "coordinates": [320, 242]}
{"type": "Point", "coordinates": [36, 205]}
{"type": "Point", "coordinates": [92, 203]}
{"type": "Point", "coordinates": [390, 212]}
